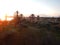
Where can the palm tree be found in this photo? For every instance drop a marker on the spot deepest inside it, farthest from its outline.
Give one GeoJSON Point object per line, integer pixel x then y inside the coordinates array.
{"type": "Point", "coordinates": [16, 18]}
{"type": "Point", "coordinates": [32, 17]}
{"type": "Point", "coordinates": [38, 17]}
{"type": "Point", "coordinates": [21, 16]}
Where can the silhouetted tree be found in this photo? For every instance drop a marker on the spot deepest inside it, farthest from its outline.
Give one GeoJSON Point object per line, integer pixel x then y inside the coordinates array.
{"type": "Point", "coordinates": [21, 15]}
{"type": "Point", "coordinates": [38, 17]}
{"type": "Point", "coordinates": [32, 18]}
{"type": "Point", "coordinates": [16, 18]}
{"type": "Point", "coordinates": [21, 18]}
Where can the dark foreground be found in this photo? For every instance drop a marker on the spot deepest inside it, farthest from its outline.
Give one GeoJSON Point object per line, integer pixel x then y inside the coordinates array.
{"type": "Point", "coordinates": [30, 31]}
{"type": "Point", "coordinates": [29, 36]}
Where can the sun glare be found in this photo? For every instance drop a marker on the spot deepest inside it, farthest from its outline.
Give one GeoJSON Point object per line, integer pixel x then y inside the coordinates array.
{"type": "Point", "coordinates": [23, 6]}
{"type": "Point", "coordinates": [3, 17]}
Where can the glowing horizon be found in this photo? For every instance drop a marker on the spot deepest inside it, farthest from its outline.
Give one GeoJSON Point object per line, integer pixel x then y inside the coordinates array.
{"type": "Point", "coordinates": [26, 7]}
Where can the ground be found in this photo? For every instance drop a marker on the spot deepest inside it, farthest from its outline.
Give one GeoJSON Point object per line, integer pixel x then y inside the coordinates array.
{"type": "Point", "coordinates": [29, 35]}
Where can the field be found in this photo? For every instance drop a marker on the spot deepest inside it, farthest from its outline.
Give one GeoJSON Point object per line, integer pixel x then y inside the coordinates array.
{"type": "Point", "coordinates": [29, 34]}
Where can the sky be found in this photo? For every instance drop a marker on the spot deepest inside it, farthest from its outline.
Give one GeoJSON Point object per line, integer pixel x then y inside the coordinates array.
{"type": "Point", "coordinates": [38, 7]}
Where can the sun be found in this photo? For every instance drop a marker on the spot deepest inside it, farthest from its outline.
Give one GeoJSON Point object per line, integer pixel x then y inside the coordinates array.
{"type": "Point", "coordinates": [5, 17]}
{"type": "Point", "coordinates": [23, 7]}
{"type": "Point", "coordinates": [2, 17]}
